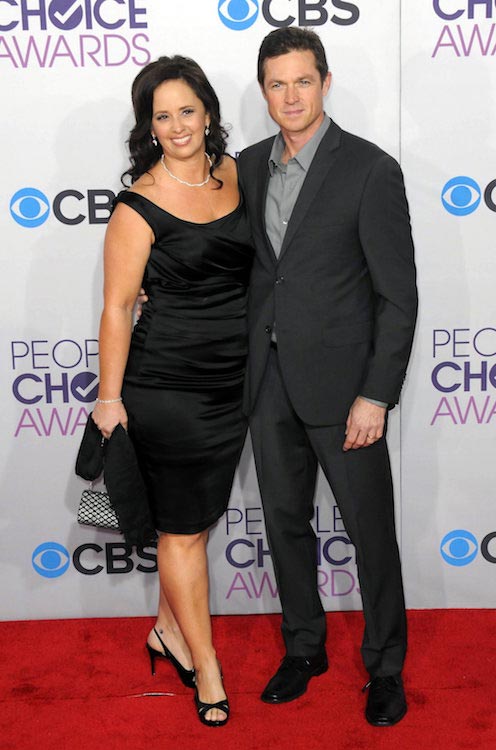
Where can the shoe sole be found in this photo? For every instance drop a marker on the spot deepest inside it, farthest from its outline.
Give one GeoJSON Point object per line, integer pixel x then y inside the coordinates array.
{"type": "Point", "coordinates": [387, 723]}
{"type": "Point", "coordinates": [293, 697]}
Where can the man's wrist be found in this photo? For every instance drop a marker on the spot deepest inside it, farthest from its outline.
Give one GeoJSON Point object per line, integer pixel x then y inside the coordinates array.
{"type": "Point", "coordinates": [375, 402]}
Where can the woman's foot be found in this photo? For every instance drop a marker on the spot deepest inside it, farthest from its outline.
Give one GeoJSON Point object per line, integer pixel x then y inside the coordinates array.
{"type": "Point", "coordinates": [174, 641]}
{"type": "Point", "coordinates": [186, 675]}
{"type": "Point", "coordinates": [210, 697]}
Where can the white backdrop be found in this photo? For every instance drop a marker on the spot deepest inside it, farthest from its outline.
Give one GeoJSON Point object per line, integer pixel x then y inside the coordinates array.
{"type": "Point", "coordinates": [414, 78]}
{"type": "Point", "coordinates": [449, 407]}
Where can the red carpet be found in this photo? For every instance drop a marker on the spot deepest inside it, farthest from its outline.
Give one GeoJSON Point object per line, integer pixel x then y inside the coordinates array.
{"type": "Point", "coordinates": [80, 684]}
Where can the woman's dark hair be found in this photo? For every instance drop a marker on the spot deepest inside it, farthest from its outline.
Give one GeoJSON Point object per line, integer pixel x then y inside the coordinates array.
{"type": "Point", "coordinates": [143, 154]}
{"type": "Point", "coordinates": [290, 38]}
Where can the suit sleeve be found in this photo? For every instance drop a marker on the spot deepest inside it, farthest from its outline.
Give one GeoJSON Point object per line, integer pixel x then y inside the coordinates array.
{"type": "Point", "coordinates": [385, 235]}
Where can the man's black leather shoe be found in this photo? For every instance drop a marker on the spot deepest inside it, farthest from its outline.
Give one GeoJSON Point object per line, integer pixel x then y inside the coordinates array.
{"type": "Point", "coordinates": [386, 704]}
{"type": "Point", "coordinates": [291, 679]}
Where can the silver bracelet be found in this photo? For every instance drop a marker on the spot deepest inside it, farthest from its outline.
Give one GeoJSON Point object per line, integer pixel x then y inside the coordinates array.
{"type": "Point", "coordinates": [108, 400]}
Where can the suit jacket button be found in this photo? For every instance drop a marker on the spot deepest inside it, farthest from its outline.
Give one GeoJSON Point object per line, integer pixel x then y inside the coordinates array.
{"type": "Point", "coordinates": [268, 329]}
{"type": "Point", "coordinates": [280, 280]}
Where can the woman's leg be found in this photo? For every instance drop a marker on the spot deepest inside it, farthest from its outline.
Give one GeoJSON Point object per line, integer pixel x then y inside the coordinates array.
{"type": "Point", "coordinates": [170, 633]}
{"type": "Point", "coordinates": [183, 571]}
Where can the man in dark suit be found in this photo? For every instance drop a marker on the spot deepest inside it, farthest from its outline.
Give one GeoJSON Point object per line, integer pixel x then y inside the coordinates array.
{"type": "Point", "coordinates": [331, 319]}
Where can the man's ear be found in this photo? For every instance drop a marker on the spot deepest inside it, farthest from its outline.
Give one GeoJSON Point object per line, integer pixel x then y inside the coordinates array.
{"type": "Point", "coordinates": [327, 83]}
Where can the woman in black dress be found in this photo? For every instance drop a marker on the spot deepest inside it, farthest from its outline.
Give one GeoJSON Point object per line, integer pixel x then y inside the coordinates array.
{"type": "Point", "coordinates": [175, 381]}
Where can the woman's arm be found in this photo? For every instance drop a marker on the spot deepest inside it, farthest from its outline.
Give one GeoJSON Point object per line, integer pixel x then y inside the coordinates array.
{"type": "Point", "coordinates": [127, 248]}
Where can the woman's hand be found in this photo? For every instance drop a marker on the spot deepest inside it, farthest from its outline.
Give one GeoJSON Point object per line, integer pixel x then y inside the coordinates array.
{"type": "Point", "coordinates": [140, 301]}
{"type": "Point", "coordinates": [108, 416]}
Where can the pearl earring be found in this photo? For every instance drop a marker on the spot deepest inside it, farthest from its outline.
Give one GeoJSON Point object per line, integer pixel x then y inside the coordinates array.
{"type": "Point", "coordinates": [154, 140]}
{"type": "Point", "coordinates": [207, 130]}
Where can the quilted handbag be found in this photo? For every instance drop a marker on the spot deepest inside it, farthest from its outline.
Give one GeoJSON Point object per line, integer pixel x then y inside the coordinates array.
{"type": "Point", "coordinates": [95, 509]}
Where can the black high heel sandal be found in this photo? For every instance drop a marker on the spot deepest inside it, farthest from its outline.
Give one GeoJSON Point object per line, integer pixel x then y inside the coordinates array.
{"type": "Point", "coordinates": [203, 708]}
{"type": "Point", "coordinates": [187, 676]}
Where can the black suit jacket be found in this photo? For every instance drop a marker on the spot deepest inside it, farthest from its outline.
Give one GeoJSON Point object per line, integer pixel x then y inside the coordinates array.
{"type": "Point", "coordinates": [342, 292]}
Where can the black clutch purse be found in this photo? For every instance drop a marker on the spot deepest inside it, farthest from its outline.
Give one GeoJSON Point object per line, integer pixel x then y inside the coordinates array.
{"type": "Point", "coordinates": [124, 506]}
{"type": "Point", "coordinates": [89, 461]}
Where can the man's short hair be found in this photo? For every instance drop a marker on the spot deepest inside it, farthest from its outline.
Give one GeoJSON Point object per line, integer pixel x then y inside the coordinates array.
{"type": "Point", "coordinates": [284, 40]}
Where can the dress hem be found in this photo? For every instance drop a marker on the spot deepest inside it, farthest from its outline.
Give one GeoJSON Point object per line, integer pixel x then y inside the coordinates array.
{"type": "Point", "coordinates": [196, 529]}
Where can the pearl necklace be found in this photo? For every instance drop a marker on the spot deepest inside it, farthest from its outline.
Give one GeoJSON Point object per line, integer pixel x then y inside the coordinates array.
{"type": "Point", "coordinates": [184, 182]}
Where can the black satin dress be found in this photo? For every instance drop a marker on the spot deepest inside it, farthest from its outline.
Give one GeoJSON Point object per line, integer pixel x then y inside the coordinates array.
{"type": "Point", "coordinates": [184, 377]}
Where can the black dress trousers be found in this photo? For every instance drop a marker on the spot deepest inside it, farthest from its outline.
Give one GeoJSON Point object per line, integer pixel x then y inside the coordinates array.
{"type": "Point", "coordinates": [287, 454]}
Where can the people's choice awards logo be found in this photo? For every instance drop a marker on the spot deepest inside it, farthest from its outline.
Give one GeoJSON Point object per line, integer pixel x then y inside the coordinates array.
{"type": "Point", "coordinates": [459, 547]}
{"type": "Point", "coordinates": [65, 14]}
{"type": "Point", "coordinates": [78, 33]}
{"type": "Point", "coordinates": [55, 381]}
{"type": "Point", "coordinates": [461, 196]}
{"type": "Point", "coordinates": [464, 372]}
{"type": "Point", "coordinates": [248, 555]}
{"type": "Point", "coordinates": [468, 30]}
{"type": "Point", "coordinates": [29, 207]}
{"type": "Point", "coordinates": [238, 14]}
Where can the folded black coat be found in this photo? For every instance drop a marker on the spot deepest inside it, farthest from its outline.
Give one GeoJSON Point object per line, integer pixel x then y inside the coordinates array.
{"type": "Point", "coordinates": [117, 460]}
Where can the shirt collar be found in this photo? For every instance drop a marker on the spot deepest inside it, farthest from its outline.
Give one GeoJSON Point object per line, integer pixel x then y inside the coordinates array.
{"type": "Point", "coordinates": [305, 155]}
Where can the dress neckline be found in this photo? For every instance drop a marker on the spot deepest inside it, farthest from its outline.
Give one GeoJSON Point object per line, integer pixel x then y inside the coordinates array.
{"type": "Point", "coordinates": [186, 221]}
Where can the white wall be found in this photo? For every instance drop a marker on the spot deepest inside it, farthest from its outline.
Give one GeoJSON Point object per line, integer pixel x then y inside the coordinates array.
{"type": "Point", "coordinates": [65, 86]}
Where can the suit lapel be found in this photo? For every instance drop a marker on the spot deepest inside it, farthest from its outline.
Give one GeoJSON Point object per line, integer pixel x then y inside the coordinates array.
{"type": "Point", "coordinates": [321, 164]}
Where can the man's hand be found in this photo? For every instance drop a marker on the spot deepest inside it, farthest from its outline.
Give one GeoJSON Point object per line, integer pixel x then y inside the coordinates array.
{"type": "Point", "coordinates": [365, 424]}
{"type": "Point", "coordinates": [140, 301]}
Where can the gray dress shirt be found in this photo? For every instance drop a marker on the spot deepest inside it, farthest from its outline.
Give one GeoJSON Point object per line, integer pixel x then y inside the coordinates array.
{"type": "Point", "coordinates": [285, 183]}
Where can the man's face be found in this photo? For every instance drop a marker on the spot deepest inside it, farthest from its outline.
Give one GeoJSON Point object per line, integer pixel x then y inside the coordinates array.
{"type": "Point", "coordinates": [294, 92]}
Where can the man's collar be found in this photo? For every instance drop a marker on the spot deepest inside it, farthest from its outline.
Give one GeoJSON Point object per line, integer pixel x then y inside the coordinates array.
{"type": "Point", "coordinates": [305, 155]}
{"type": "Point", "coordinates": [276, 153]}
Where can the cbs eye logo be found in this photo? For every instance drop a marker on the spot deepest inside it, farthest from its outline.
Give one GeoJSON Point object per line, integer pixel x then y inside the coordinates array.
{"type": "Point", "coordinates": [462, 195]}
{"type": "Point", "coordinates": [460, 547]}
{"type": "Point", "coordinates": [29, 207]}
{"type": "Point", "coordinates": [238, 14]}
{"type": "Point", "coordinates": [50, 560]}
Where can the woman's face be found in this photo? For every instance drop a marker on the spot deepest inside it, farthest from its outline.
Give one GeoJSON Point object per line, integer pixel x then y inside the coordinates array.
{"type": "Point", "coordinates": [179, 119]}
